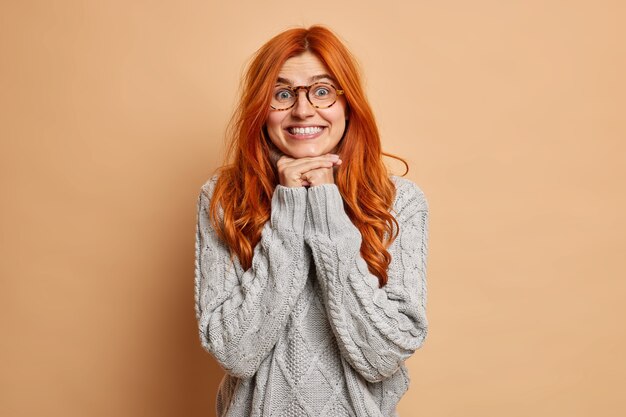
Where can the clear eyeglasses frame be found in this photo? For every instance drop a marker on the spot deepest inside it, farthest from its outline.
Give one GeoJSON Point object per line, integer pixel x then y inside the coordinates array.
{"type": "Point", "coordinates": [320, 99]}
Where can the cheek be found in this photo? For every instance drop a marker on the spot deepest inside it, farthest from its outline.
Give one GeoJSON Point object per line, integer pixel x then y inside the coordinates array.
{"type": "Point", "coordinates": [338, 119]}
{"type": "Point", "coordinates": [272, 127]}
{"type": "Point", "coordinates": [272, 122]}
{"type": "Point", "coordinates": [341, 112]}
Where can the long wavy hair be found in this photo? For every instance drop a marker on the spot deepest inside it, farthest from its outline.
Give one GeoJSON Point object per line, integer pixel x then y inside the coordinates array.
{"type": "Point", "coordinates": [245, 185]}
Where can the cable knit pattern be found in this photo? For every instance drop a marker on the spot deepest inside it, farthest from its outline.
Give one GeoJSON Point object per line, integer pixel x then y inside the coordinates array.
{"type": "Point", "coordinates": [306, 331]}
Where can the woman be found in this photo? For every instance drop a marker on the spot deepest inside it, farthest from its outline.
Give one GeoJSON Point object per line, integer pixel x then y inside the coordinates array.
{"type": "Point", "coordinates": [310, 257]}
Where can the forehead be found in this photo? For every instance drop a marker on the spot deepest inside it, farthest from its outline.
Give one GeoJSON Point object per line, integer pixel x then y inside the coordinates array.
{"type": "Point", "coordinates": [303, 67]}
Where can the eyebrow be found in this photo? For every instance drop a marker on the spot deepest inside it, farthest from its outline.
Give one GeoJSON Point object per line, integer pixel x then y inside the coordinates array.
{"type": "Point", "coordinates": [312, 80]}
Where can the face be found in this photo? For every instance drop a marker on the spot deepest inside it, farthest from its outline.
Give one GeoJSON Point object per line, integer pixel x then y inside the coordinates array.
{"type": "Point", "coordinates": [303, 130]}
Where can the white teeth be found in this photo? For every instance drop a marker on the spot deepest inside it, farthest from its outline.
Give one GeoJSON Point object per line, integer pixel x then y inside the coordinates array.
{"type": "Point", "coordinates": [305, 130]}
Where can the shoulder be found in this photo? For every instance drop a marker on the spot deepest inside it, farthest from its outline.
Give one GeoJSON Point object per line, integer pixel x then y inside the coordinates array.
{"type": "Point", "coordinates": [205, 195]}
{"type": "Point", "coordinates": [408, 195]}
{"type": "Point", "coordinates": [206, 190]}
{"type": "Point", "coordinates": [204, 203]}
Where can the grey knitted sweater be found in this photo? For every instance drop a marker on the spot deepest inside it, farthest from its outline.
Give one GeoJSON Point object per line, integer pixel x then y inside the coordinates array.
{"type": "Point", "coordinates": [306, 331]}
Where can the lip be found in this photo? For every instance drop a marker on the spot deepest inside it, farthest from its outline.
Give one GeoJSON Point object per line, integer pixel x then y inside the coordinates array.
{"type": "Point", "coordinates": [309, 136]}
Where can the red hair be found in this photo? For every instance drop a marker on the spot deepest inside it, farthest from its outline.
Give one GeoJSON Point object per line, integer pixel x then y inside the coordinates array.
{"type": "Point", "coordinates": [245, 185]}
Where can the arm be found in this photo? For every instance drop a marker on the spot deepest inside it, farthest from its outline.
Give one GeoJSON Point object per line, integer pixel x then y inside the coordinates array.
{"type": "Point", "coordinates": [241, 313]}
{"type": "Point", "coordinates": [376, 328]}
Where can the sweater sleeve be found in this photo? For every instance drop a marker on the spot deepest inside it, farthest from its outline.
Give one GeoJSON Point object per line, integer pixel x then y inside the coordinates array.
{"type": "Point", "coordinates": [242, 313]}
{"type": "Point", "coordinates": [376, 328]}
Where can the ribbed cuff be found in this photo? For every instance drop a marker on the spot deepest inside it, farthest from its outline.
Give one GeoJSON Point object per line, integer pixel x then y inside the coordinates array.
{"type": "Point", "coordinates": [289, 208]}
{"type": "Point", "coordinates": [327, 215]}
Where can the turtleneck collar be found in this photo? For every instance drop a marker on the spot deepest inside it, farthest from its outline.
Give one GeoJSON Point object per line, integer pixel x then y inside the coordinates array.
{"type": "Point", "coordinates": [275, 154]}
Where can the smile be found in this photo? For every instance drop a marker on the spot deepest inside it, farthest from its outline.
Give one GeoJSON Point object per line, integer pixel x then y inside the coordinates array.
{"type": "Point", "coordinates": [309, 130]}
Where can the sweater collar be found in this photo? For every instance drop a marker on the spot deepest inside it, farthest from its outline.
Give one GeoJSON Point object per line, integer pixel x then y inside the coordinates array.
{"type": "Point", "coordinates": [275, 154]}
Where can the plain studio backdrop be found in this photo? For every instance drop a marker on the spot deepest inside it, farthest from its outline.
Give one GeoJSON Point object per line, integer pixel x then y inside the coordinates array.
{"type": "Point", "coordinates": [510, 113]}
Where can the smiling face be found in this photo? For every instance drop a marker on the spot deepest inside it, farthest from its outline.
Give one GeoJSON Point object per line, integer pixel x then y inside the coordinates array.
{"type": "Point", "coordinates": [303, 130]}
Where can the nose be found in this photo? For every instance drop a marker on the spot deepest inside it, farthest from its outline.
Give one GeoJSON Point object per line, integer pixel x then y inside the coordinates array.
{"type": "Point", "coordinates": [303, 108]}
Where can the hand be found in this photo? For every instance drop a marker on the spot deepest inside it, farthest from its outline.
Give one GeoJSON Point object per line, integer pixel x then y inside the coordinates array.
{"type": "Point", "coordinates": [306, 172]}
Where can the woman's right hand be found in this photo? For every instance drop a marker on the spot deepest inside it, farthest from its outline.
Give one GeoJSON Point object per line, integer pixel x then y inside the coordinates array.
{"type": "Point", "coordinates": [292, 171]}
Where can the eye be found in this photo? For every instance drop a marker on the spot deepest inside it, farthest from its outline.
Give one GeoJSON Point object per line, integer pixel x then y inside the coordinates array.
{"type": "Point", "coordinates": [322, 91]}
{"type": "Point", "coordinates": [283, 94]}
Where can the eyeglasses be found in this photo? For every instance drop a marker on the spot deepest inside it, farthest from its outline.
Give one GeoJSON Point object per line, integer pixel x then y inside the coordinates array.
{"type": "Point", "coordinates": [320, 95]}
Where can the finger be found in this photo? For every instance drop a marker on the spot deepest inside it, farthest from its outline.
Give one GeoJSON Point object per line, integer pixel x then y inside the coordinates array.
{"type": "Point", "coordinates": [304, 165]}
{"type": "Point", "coordinates": [321, 170]}
{"type": "Point", "coordinates": [293, 170]}
{"type": "Point", "coordinates": [326, 157]}
{"type": "Point", "coordinates": [320, 176]}
{"type": "Point", "coordinates": [284, 159]}
{"type": "Point", "coordinates": [304, 180]}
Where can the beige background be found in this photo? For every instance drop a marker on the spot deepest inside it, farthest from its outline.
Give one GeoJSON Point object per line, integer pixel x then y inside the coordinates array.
{"type": "Point", "coordinates": [511, 114]}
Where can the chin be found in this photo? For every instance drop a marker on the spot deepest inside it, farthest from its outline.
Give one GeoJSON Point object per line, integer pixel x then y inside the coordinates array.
{"type": "Point", "coordinates": [305, 152]}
